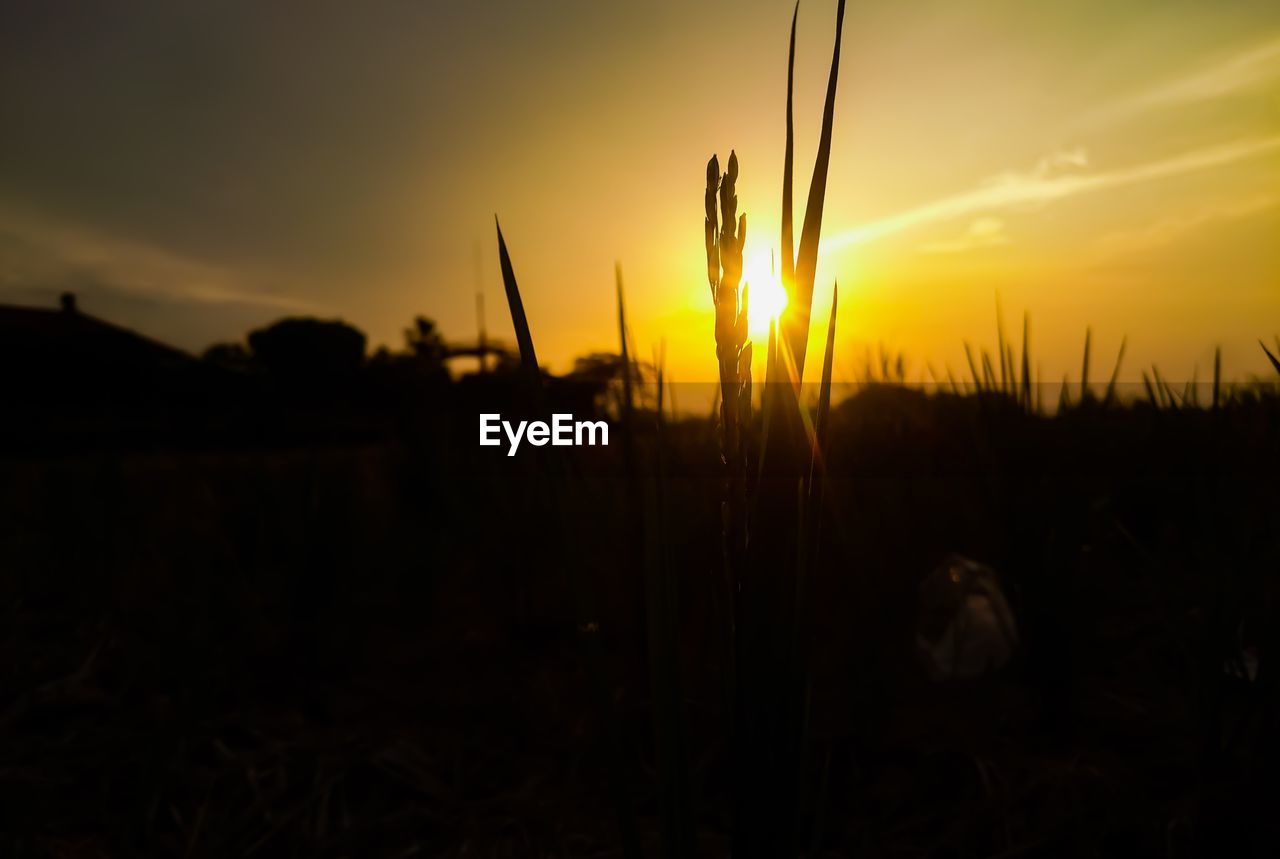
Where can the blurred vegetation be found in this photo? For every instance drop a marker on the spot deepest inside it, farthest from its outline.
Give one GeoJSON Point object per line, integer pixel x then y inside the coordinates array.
{"type": "Point", "coordinates": [364, 644]}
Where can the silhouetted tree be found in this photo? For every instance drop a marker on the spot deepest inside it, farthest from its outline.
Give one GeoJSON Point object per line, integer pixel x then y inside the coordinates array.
{"type": "Point", "coordinates": [424, 340]}
{"type": "Point", "coordinates": [228, 356]}
{"type": "Point", "coordinates": [416, 379]}
{"type": "Point", "coordinates": [308, 348]}
{"type": "Point", "coordinates": [602, 373]}
{"type": "Point", "coordinates": [426, 348]}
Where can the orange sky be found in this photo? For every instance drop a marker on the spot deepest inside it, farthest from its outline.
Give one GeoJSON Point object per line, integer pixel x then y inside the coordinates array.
{"type": "Point", "coordinates": [198, 173]}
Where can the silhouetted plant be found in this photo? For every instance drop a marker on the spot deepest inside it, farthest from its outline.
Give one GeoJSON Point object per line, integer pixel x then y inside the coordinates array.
{"type": "Point", "coordinates": [771, 584]}
{"type": "Point", "coordinates": [228, 356]}
{"type": "Point", "coordinates": [308, 348]}
{"type": "Point", "coordinates": [424, 341]}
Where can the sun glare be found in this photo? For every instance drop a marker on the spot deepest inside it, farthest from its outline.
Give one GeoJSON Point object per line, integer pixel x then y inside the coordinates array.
{"type": "Point", "coordinates": [768, 297]}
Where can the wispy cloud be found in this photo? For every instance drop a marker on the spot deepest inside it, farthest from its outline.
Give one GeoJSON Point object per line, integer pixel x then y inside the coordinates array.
{"type": "Point", "coordinates": [982, 233]}
{"type": "Point", "coordinates": [40, 251]}
{"type": "Point", "coordinates": [1044, 184]}
{"type": "Point", "coordinates": [1241, 72]}
{"type": "Point", "coordinates": [1076, 157]}
{"type": "Point", "coordinates": [1168, 230]}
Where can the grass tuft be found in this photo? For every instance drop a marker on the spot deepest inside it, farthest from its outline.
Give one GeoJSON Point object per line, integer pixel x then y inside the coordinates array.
{"type": "Point", "coordinates": [1275, 362]}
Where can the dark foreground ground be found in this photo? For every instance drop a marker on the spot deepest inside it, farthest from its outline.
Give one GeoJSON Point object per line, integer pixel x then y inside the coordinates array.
{"type": "Point", "coordinates": [362, 643]}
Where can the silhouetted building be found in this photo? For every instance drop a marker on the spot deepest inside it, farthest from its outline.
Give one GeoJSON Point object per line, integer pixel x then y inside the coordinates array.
{"type": "Point", "coordinates": [66, 359]}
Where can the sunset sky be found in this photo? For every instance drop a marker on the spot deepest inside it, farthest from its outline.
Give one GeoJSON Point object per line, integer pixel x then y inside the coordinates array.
{"type": "Point", "coordinates": [196, 170]}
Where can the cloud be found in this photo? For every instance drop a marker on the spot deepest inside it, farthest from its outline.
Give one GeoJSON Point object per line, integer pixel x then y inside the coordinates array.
{"type": "Point", "coordinates": [1061, 160]}
{"type": "Point", "coordinates": [1043, 185]}
{"type": "Point", "coordinates": [1232, 75]}
{"type": "Point", "coordinates": [1168, 230]}
{"type": "Point", "coordinates": [982, 233]}
{"type": "Point", "coordinates": [38, 252]}
{"type": "Point", "coordinates": [1062, 173]}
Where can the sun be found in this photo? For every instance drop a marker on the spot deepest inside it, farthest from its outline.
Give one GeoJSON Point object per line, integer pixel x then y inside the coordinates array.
{"type": "Point", "coordinates": [768, 297]}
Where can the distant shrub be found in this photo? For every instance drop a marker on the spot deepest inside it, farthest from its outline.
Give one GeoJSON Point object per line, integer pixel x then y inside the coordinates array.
{"type": "Point", "coordinates": [301, 347]}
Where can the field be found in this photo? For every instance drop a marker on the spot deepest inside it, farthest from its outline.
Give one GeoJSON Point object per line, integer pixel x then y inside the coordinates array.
{"type": "Point", "coordinates": [370, 648]}
{"type": "Point", "coordinates": [277, 601]}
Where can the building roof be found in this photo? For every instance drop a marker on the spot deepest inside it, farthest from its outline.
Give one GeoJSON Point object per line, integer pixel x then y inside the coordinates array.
{"type": "Point", "coordinates": [38, 333]}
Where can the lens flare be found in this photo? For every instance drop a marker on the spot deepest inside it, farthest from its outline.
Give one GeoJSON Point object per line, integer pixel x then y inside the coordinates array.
{"type": "Point", "coordinates": [768, 297]}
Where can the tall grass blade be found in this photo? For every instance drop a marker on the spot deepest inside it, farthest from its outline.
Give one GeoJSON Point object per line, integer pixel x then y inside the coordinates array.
{"type": "Point", "coordinates": [1026, 361]}
{"type": "Point", "coordinates": [628, 394]}
{"type": "Point", "coordinates": [1163, 387]}
{"type": "Point", "coordinates": [629, 566]}
{"type": "Point", "coordinates": [1217, 377]}
{"type": "Point", "coordinates": [807, 257]}
{"type": "Point", "coordinates": [1001, 348]}
{"type": "Point", "coordinates": [1084, 368]}
{"type": "Point", "coordinates": [1012, 390]}
{"type": "Point", "coordinates": [988, 374]}
{"type": "Point", "coordinates": [824, 394]}
{"type": "Point", "coordinates": [1115, 372]}
{"type": "Point", "coordinates": [809, 529]}
{"type": "Point", "coordinates": [660, 364]}
{"type": "Point", "coordinates": [973, 366]}
{"type": "Point", "coordinates": [625, 356]}
{"type": "Point", "coordinates": [795, 683]}
{"type": "Point", "coordinates": [670, 740]}
{"type": "Point", "coordinates": [771, 640]}
{"type": "Point", "coordinates": [1275, 362]}
{"type": "Point", "coordinates": [524, 338]}
{"type": "Point", "coordinates": [788, 170]}
{"type": "Point", "coordinates": [768, 392]}
{"type": "Point", "coordinates": [588, 625]}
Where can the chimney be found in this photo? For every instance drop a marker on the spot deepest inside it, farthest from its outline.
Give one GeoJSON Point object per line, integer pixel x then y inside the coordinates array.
{"type": "Point", "coordinates": [68, 302]}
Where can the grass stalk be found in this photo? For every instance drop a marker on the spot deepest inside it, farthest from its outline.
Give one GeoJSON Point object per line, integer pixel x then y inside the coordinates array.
{"type": "Point", "coordinates": [770, 699]}
{"type": "Point", "coordinates": [1002, 348]}
{"type": "Point", "coordinates": [796, 316]}
{"type": "Point", "coordinates": [587, 618]}
{"type": "Point", "coordinates": [1026, 361]}
{"type": "Point", "coordinates": [1115, 373]}
{"type": "Point", "coordinates": [988, 374]}
{"type": "Point", "coordinates": [1275, 362]}
{"type": "Point", "coordinates": [788, 161]}
{"type": "Point", "coordinates": [1084, 367]}
{"type": "Point", "coordinates": [1217, 377]}
{"type": "Point", "coordinates": [973, 367]}
{"type": "Point", "coordinates": [669, 722]}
